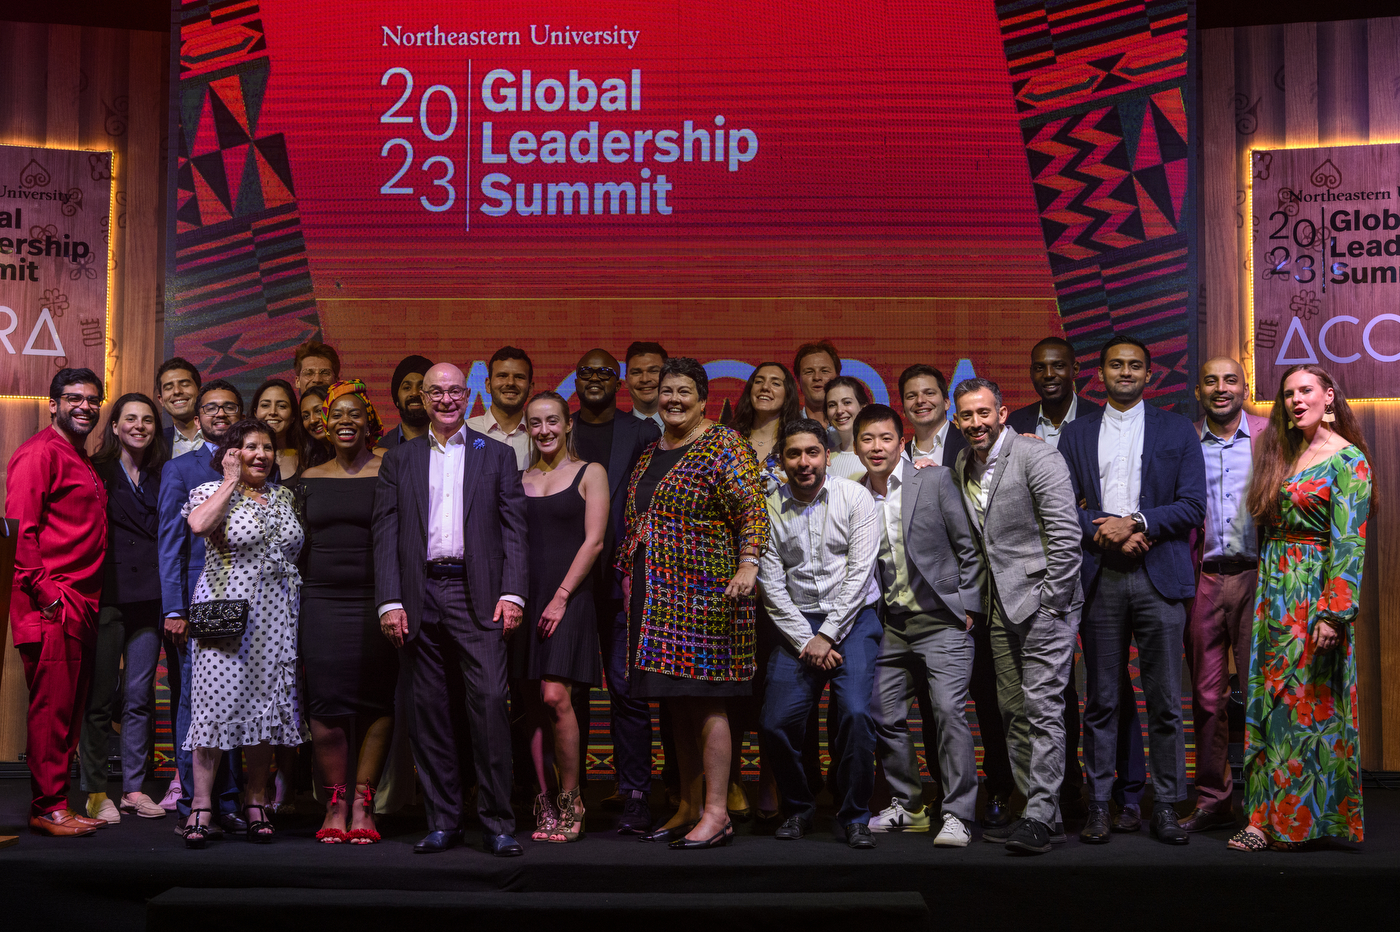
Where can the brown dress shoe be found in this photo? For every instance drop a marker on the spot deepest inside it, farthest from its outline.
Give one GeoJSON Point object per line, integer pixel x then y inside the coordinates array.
{"type": "Point", "coordinates": [62, 823]}
{"type": "Point", "coordinates": [1201, 820]}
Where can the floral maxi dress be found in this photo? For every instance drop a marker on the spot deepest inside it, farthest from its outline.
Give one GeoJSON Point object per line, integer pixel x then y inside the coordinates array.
{"type": "Point", "coordinates": [1302, 747]}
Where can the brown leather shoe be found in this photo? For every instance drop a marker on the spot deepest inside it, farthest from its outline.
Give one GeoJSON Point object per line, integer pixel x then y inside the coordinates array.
{"type": "Point", "coordinates": [62, 823]}
{"type": "Point", "coordinates": [1201, 820]}
{"type": "Point", "coordinates": [88, 820]}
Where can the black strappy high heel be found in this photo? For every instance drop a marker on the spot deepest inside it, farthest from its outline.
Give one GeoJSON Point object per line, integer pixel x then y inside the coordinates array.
{"type": "Point", "coordinates": [256, 833]}
{"type": "Point", "coordinates": [196, 835]}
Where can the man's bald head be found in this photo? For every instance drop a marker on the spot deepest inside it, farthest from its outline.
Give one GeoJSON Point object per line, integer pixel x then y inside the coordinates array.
{"type": "Point", "coordinates": [1221, 389]}
{"type": "Point", "coordinates": [596, 381]}
{"type": "Point", "coordinates": [445, 390]}
{"type": "Point", "coordinates": [1221, 364]}
{"type": "Point", "coordinates": [599, 357]}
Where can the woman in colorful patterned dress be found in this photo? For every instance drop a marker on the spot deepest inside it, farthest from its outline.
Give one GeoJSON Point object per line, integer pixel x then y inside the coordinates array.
{"type": "Point", "coordinates": [1310, 494]}
{"type": "Point", "coordinates": [696, 525]}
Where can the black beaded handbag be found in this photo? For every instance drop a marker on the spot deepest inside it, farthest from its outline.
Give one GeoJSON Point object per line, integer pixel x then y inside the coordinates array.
{"type": "Point", "coordinates": [218, 618]}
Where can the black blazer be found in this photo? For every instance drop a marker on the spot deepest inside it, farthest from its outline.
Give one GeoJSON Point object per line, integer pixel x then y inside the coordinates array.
{"type": "Point", "coordinates": [1172, 497]}
{"type": "Point", "coordinates": [1024, 420]}
{"type": "Point", "coordinates": [631, 437]}
{"type": "Point", "coordinates": [953, 444]}
{"type": "Point", "coordinates": [495, 539]}
{"type": "Point", "coordinates": [132, 567]}
{"type": "Point", "coordinates": [392, 439]}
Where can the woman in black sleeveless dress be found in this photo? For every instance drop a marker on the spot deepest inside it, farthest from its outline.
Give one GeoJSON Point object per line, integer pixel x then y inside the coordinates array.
{"type": "Point", "coordinates": [567, 501]}
{"type": "Point", "coordinates": [351, 667]}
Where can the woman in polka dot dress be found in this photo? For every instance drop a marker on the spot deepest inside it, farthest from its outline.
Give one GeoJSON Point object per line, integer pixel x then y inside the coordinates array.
{"type": "Point", "coordinates": [243, 690]}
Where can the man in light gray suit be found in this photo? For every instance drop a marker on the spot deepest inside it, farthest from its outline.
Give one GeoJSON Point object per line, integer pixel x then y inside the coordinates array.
{"type": "Point", "coordinates": [930, 575]}
{"type": "Point", "coordinates": [1018, 495]}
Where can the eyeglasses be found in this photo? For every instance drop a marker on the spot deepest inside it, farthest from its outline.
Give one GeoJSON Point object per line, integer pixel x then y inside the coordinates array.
{"type": "Point", "coordinates": [228, 407]}
{"type": "Point", "coordinates": [456, 393]}
{"type": "Point", "coordinates": [600, 373]}
{"type": "Point", "coordinates": [75, 399]}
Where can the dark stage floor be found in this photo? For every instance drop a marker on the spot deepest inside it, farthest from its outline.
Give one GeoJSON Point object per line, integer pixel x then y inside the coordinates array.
{"type": "Point", "coordinates": [104, 881]}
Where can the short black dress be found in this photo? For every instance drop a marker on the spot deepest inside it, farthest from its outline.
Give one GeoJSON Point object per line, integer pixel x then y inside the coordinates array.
{"type": "Point", "coordinates": [351, 667]}
{"type": "Point", "coordinates": [557, 533]}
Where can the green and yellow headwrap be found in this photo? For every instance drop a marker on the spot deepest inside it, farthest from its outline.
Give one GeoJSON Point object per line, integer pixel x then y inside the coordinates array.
{"type": "Point", "coordinates": [374, 426]}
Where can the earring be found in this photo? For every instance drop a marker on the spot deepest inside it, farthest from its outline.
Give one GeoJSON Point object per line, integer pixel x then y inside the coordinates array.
{"type": "Point", "coordinates": [1327, 416]}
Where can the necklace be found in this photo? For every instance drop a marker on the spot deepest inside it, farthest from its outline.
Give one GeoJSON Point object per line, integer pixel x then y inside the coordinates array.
{"type": "Point", "coordinates": [1308, 460]}
{"type": "Point", "coordinates": [686, 439]}
{"type": "Point", "coordinates": [248, 491]}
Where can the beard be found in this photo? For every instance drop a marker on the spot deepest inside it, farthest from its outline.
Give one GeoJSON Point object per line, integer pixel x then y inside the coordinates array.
{"type": "Point", "coordinates": [75, 428]}
{"type": "Point", "coordinates": [414, 417]}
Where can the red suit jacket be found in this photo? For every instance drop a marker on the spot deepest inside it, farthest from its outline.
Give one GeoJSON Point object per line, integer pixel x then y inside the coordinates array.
{"type": "Point", "coordinates": [54, 493]}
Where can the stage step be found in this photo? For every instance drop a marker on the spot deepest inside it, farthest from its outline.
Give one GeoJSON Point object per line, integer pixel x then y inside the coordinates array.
{"type": "Point", "coordinates": [298, 909]}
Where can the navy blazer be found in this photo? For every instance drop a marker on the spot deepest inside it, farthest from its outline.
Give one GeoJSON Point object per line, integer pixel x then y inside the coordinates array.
{"type": "Point", "coordinates": [181, 552]}
{"type": "Point", "coordinates": [1172, 499]}
{"type": "Point", "coordinates": [132, 569]}
{"type": "Point", "coordinates": [1025, 420]}
{"type": "Point", "coordinates": [953, 444]}
{"type": "Point", "coordinates": [631, 437]}
{"type": "Point", "coordinates": [496, 546]}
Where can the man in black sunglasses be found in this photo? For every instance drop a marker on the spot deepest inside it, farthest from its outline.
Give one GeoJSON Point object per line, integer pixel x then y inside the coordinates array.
{"type": "Point", "coordinates": [617, 443]}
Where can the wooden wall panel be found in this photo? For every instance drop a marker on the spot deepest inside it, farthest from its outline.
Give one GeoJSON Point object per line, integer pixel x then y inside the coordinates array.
{"type": "Point", "coordinates": [98, 89]}
{"type": "Point", "coordinates": [1298, 85]}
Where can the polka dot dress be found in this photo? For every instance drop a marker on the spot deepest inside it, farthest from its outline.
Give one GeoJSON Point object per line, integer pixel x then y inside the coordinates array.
{"type": "Point", "coordinates": [244, 689]}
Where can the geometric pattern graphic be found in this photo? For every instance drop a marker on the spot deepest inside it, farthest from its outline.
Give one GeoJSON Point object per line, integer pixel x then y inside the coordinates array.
{"type": "Point", "coordinates": [1100, 92]}
{"type": "Point", "coordinates": [239, 296]}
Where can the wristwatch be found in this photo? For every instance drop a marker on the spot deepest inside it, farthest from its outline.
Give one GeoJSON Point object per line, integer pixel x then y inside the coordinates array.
{"type": "Point", "coordinates": [1139, 522]}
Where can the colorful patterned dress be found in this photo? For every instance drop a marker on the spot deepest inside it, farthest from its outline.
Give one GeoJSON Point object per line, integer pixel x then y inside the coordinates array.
{"type": "Point", "coordinates": [1302, 753]}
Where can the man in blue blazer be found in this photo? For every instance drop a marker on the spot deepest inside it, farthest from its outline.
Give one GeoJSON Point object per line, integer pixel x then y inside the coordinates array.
{"type": "Point", "coordinates": [617, 443]}
{"type": "Point", "coordinates": [220, 406]}
{"type": "Point", "coordinates": [177, 389]}
{"type": "Point", "coordinates": [1139, 479]}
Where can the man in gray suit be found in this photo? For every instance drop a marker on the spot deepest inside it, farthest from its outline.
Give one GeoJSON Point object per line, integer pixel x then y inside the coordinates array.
{"type": "Point", "coordinates": [1018, 495]}
{"type": "Point", "coordinates": [930, 574]}
{"type": "Point", "coordinates": [450, 558]}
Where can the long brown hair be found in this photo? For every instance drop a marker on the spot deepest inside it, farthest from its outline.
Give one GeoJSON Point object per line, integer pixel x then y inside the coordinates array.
{"type": "Point", "coordinates": [744, 413]}
{"type": "Point", "coordinates": [570, 443]}
{"type": "Point", "coordinates": [1281, 445]}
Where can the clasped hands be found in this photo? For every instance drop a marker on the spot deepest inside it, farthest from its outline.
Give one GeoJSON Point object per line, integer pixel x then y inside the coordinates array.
{"type": "Point", "coordinates": [1121, 534]}
{"type": "Point", "coordinates": [819, 653]}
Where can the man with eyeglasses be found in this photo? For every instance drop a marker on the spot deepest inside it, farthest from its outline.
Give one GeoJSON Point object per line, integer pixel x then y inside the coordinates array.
{"type": "Point", "coordinates": [450, 573]}
{"type": "Point", "coordinates": [219, 407]}
{"type": "Point", "coordinates": [617, 443]}
{"type": "Point", "coordinates": [55, 496]}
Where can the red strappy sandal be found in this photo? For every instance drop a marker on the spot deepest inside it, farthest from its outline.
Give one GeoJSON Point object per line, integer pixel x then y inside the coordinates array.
{"type": "Point", "coordinates": [364, 836]}
{"type": "Point", "coordinates": [333, 836]}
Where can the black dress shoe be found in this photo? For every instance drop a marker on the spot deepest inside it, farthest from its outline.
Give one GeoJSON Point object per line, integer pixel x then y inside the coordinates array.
{"type": "Point", "coordinates": [858, 835]}
{"type": "Point", "coordinates": [668, 835]}
{"type": "Point", "coordinates": [1201, 820]}
{"type": "Point", "coordinates": [1031, 837]}
{"type": "Point", "coordinates": [232, 822]}
{"type": "Point", "coordinates": [997, 813]}
{"type": "Point", "coordinates": [433, 842]}
{"type": "Point", "coordinates": [635, 818]}
{"type": "Point", "coordinates": [792, 829]}
{"type": "Point", "coordinates": [718, 840]}
{"type": "Point", "coordinates": [1096, 830]}
{"type": "Point", "coordinates": [1128, 819]}
{"type": "Point", "coordinates": [502, 846]}
{"type": "Point", "coordinates": [1166, 829]}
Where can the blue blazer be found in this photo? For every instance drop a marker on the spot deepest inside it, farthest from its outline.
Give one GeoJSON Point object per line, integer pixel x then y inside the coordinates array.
{"type": "Point", "coordinates": [131, 568]}
{"type": "Point", "coordinates": [495, 539]}
{"type": "Point", "coordinates": [181, 552]}
{"type": "Point", "coordinates": [1024, 420]}
{"type": "Point", "coordinates": [1173, 496]}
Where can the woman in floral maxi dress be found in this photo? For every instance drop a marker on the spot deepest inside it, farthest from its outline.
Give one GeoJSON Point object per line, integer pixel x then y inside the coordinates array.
{"type": "Point", "coordinates": [1311, 494]}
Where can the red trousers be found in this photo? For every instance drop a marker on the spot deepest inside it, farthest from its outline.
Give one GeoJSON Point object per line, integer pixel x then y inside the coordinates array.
{"type": "Point", "coordinates": [57, 671]}
{"type": "Point", "coordinates": [1221, 622]}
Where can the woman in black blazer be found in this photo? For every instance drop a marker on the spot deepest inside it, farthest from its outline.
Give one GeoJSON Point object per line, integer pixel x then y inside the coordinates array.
{"type": "Point", "coordinates": [128, 622]}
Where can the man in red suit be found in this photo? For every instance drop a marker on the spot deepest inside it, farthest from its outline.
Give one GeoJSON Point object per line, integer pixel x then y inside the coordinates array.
{"type": "Point", "coordinates": [53, 493]}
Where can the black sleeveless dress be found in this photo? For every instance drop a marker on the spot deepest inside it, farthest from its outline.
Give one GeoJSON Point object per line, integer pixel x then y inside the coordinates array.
{"type": "Point", "coordinates": [571, 653]}
{"type": "Point", "coordinates": [351, 667]}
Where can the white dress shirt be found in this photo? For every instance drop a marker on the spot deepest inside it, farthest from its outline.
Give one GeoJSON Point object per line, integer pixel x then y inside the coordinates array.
{"type": "Point", "coordinates": [518, 439]}
{"type": "Point", "coordinates": [180, 444]}
{"type": "Point", "coordinates": [913, 454]}
{"type": "Point", "coordinates": [1229, 527]}
{"type": "Point", "coordinates": [979, 478]}
{"type": "Point", "coordinates": [820, 559]}
{"type": "Point", "coordinates": [1045, 428]}
{"type": "Point", "coordinates": [1120, 458]}
{"type": "Point", "coordinates": [894, 568]}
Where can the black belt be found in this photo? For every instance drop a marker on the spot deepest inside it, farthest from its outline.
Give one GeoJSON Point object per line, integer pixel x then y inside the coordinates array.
{"type": "Point", "coordinates": [1229, 567]}
{"type": "Point", "coordinates": [444, 569]}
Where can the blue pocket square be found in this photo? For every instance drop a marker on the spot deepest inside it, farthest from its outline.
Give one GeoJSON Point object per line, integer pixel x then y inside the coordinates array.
{"type": "Point", "coordinates": [479, 444]}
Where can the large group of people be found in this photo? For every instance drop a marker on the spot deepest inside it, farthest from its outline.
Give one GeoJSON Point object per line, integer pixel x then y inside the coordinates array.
{"type": "Point", "coordinates": [441, 598]}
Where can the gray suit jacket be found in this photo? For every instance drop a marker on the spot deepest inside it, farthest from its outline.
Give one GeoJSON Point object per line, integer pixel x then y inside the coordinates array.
{"type": "Point", "coordinates": [938, 541]}
{"type": "Point", "coordinates": [1030, 538]}
{"type": "Point", "coordinates": [495, 538]}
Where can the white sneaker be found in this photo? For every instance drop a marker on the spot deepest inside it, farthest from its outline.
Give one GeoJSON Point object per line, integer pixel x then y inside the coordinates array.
{"type": "Point", "coordinates": [954, 833]}
{"type": "Point", "coordinates": [172, 796]}
{"type": "Point", "coordinates": [898, 819]}
{"type": "Point", "coordinates": [142, 805]}
{"type": "Point", "coordinates": [99, 806]}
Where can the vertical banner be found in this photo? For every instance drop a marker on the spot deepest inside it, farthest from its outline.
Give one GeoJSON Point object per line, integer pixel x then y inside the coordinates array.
{"type": "Point", "coordinates": [55, 210]}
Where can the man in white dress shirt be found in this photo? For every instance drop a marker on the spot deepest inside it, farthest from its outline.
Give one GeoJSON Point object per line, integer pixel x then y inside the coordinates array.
{"type": "Point", "coordinates": [510, 378]}
{"type": "Point", "coordinates": [451, 559]}
{"type": "Point", "coordinates": [643, 363]}
{"type": "Point", "coordinates": [820, 590]}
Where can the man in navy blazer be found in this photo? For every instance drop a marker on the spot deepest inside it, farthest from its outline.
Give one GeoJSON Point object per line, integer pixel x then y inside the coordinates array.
{"type": "Point", "coordinates": [617, 443]}
{"type": "Point", "coordinates": [220, 406]}
{"type": "Point", "coordinates": [177, 389]}
{"type": "Point", "coordinates": [451, 553]}
{"type": "Point", "coordinates": [1054, 374]}
{"type": "Point", "coordinates": [1139, 479]}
